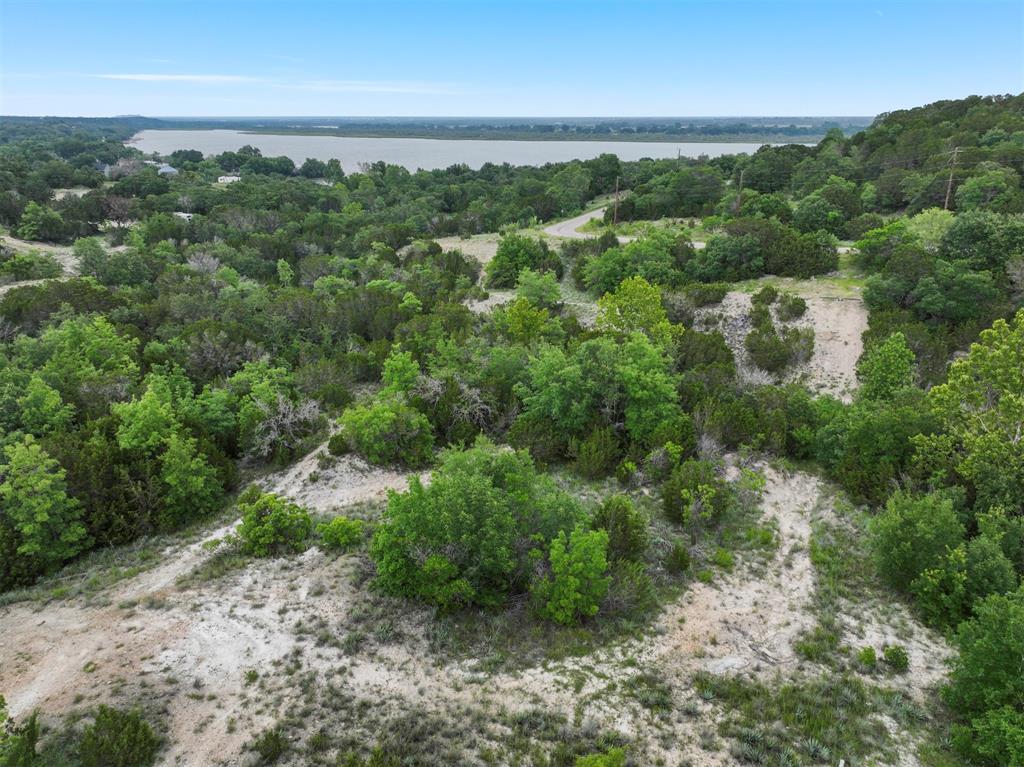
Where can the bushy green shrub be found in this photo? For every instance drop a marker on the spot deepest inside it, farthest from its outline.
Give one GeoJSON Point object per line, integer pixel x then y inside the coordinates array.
{"type": "Point", "coordinates": [118, 739]}
{"type": "Point", "coordinates": [886, 368]}
{"type": "Point", "coordinates": [677, 561]}
{"type": "Point", "coordinates": [790, 307]}
{"type": "Point", "coordinates": [626, 527]}
{"type": "Point", "coordinates": [597, 455]}
{"type": "Point", "coordinates": [341, 532]}
{"type": "Point", "coordinates": [338, 444]}
{"type": "Point", "coordinates": [867, 657]}
{"type": "Point", "coordinates": [271, 525]}
{"type": "Point", "coordinates": [541, 289]}
{"type": "Point", "coordinates": [695, 495]}
{"type": "Point", "coordinates": [270, 745]}
{"type": "Point", "coordinates": [578, 580]}
{"type": "Point", "coordinates": [765, 296]}
{"type": "Point", "coordinates": [773, 351]}
{"type": "Point", "coordinates": [913, 534]}
{"type": "Point", "coordinates": [986, 688]}
{"type": "Point", "coordinates": [616, 757]}
{"type": "Point", "coordinates": [18, 742]}
{"type": "Point", "coordinates": [475, 533]}
{"type": "Point", "coordinates": [705, 293]}
{"type": "Point", "coordinates": [516, 253]}
{"type": "Point", "coordinates": [895, 656]}
{"type": "Point", "coordinates": [389, 431]}
{"type": "Point", "coordinates": [631, 593]}
{"type": "Point", "coordinates": [767, 349]}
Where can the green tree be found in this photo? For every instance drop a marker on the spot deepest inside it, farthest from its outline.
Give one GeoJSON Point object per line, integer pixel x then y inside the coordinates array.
{"type": "Point", "coordinates": [634, 307]}
{"type": "Point", "coordinates": [541, 289]}
{"type": "Point", "coordinates": [886, 368]}
{"type": "Point", "coordinates": [986, 683]}
{"type": "Point", "coordinates": [981, 407]}
{"type": "Point", "coordinates": [42, 410]}
{"type": "Point", "coordinates": [271, 525]}
{"type": "Point", "coordinates": [118, 739]}
{"type": "Point", "coordinates": [400, 372]}
{"type": "Point", "coordinates": [473, 535]}
{"type": "Point", "coordinates": [913, 534]}
{"type": "Point", "coordinates": [40, 223]}
{"type": "Point", "coordinates": [40, 525]}
{"type": "Point", "coordinates": [515, 253]}
{"type": "Point", "coordinates": [930, 227]}
{"type": "Point", "coordinates": [578, 580]}
{"type": "Point", "coordinates": [192, 489]}
{"type": "Point", "coordinates": [389, 431]}
{"type": "Point", "coordinates": [625, 525]}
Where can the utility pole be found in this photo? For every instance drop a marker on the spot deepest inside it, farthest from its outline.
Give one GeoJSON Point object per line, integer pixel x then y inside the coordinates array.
{"type": "Point", "coordinates": [949, 184]}
{"type": "Point", "coordinates": [739, 194]}
{"type": "Point", "coordinates": [615, 211]}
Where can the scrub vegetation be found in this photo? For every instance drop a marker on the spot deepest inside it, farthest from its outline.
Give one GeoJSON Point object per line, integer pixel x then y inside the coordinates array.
{"type": "Point", "coordinates": [283, 480]}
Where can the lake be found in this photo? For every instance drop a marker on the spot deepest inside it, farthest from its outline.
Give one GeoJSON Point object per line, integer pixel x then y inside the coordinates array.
{"type": "Point", "coordinates": [414, 153]}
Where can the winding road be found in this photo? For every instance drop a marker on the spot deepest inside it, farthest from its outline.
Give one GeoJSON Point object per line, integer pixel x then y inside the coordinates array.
{"type": "Point", "coordinates": [568, 227]}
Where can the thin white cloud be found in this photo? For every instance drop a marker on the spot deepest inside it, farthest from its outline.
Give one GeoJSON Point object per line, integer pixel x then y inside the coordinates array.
{"type": "Point", "coordinates": [373, 86]}
{"type": "Point", "coordinates": [322, 86]}
{"type": "Point", "coordinates": [162, 78]}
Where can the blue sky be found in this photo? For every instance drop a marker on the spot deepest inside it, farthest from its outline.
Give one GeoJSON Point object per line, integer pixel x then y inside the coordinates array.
{"type": "Point", "coordinates": [491, 58]}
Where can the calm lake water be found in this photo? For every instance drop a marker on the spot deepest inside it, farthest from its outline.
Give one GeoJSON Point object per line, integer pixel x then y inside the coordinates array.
{"type": "Point", "coordinates": [416, 153]}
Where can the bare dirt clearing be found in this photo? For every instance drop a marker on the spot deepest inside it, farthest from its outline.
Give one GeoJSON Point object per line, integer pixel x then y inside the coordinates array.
{"type": "Point", "coordinates": [223, 657]}
{"type": "Point", "coordinates": [63, 254]}
{"type": "Point", "coordinates": [835, 312]}
{"type": "Point", "coordinates": [482, 247]}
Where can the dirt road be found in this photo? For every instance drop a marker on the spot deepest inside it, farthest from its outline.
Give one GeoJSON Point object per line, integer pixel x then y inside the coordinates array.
{"type": "Point", "coordinates": [568, 228]}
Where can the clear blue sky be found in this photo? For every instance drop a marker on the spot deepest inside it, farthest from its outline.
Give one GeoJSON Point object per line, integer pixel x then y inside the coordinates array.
{"type": "Point", "coordinates": [491, 58]}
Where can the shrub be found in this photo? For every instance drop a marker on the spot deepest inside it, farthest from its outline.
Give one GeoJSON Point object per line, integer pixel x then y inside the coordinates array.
{"type": "Point", "coordinates": [886, 368]}
{"type": "Point", "coordinates": [272, 525]}
{"type": "Point", "coordinates": [118, 739]}
{"type": "Point", "coordinates": [790, 307]}
{"type": "Point", "coordinates": [625, 525]}
{"type": "Point", "coordinates": [767, 349]}
{"type": "Point", "coordinates": [765, 296]}
{"type": "Point", "coordinates": [983, 680]}
{"type": "Point", "coordinates": [475, 533]}
{"type": "Point", "coordinates": [896, 658]}
{"type": "Point", "coordinates": [578, 580]}
{"type": "Point", "coordinates": [389, 431]}
{"type": "Point", "coordinates": [597, 455]}
{"type": "Point", "coordinates": [631, 593]}
{"type": "Point", "coordinates": [516, 253]}
{"type": "Point", "coordinates": [705, 293]}
{"type": "Point", "coordinates": [616, 757]}
{"type": "Point", "coordinates": [723, 558]}
{"type": "Point", "coordinates": [988, 569]}
{"type": "Point", "coordinates": [341, 532]}
{"type": "Point", "coordinates": [677, 561]}
{"type": "Point", "coordinates": [541, 289]}
{"type": "Point", "coordinates": [695, 495]}
{"type": "Point", "coordinates": [338, 444]}
{"type": "Point", "coordinates": [913, 534]}
{"type": "Point", "coordinates": [18, 743]}
{"type": "Point", "coordinates": [867, 657]}
{"type": "Point", "coordinates": [270, 745]}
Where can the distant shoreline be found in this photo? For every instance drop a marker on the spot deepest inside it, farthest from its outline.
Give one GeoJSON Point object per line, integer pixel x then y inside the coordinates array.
{"type": "Point", "coordinates": [476, 135]}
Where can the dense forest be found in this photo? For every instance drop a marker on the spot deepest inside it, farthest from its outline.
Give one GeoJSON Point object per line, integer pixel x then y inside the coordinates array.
{"type": "Point", "coordinates": [207, 333]}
